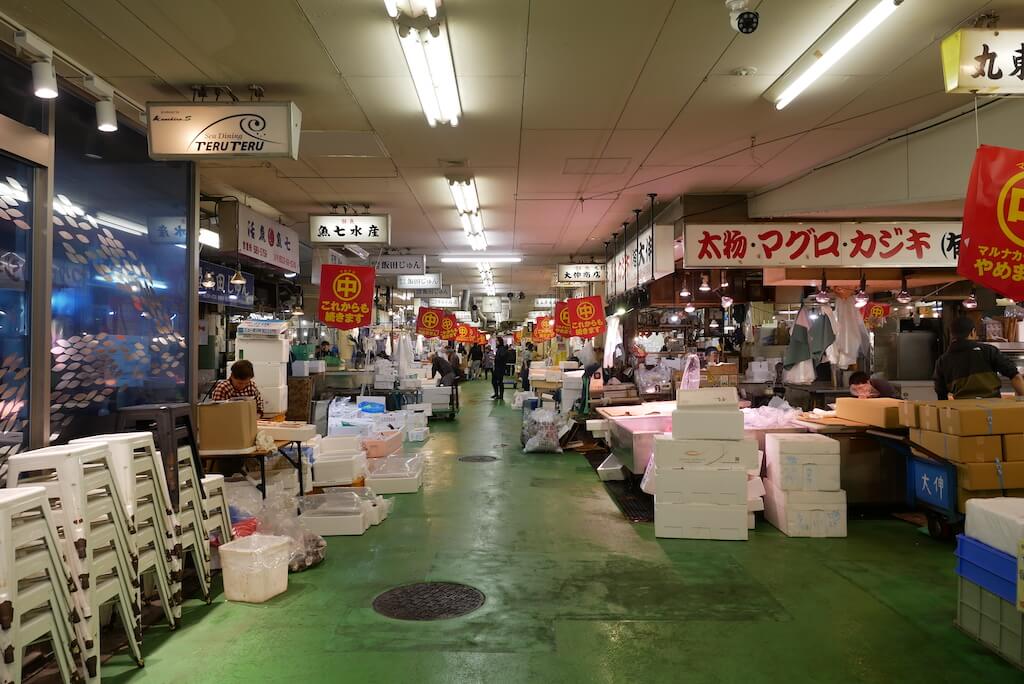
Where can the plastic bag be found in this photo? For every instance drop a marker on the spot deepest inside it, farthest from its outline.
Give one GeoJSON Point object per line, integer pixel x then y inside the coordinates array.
{"type": "Point", "coordinates": [654, 381]}
{"type": "Point", "coordinates": [280, 517]}
{"type": "Point", "coordinates": [691, 373]}
{"type": "Point", "coordinates": [540, 431]}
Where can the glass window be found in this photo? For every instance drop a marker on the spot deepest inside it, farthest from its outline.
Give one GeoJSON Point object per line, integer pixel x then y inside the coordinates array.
{"type": "Point", "coordinates": [15, 282]}
{"type": "Point", "coordinates": [17, 100]}
{"type": "Point", "coordinates": [120, 296]}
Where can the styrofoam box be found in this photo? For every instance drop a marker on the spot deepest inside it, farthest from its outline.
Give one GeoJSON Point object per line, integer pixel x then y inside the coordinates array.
{"type": "Point", "coordinates": [268, 374]}
{"type": "Point", "coordinates": [755, 504]}
{"type": "Point", "coordinates": [707, 424]}
{"type": "Point", "coordinates": [416, 420]}
{"type": "Point", "coordinates": [684, 453]}
{"type": "Point", "coordinates": [706, 486]}
{"type": "Point", "coordinates": [395, 485]}
{"type": "Point", "coordinates": [806, 514]}
{"type": "Point", "coordinates": [418, 434]}
{"type": "Point", "coordinates": [425, 409]}
{"type": "Point", "coordinates": [341, 444]}
{"type": "Point", "coordinates": [569, 365]}
{"type": "Point", "coordinates": [708, 398]}
{"type": "Point", "coordinates": [755, 487]}
{"type": "Point", "coordinates": [275, 399]}
{"type": "Point", "coordinates": [804, 472]}
{"type": "Point", "coordinates": [700, 521]}
{"type": "Point", "coordinates": [777, 443]}
{"type": "Point", "coordinates": [552, 375]}
{"type": "Point", "coordinates": [262, 351]}
{"type": "Point", "coordinates": [339, 469]}
{"type": "Point", "coordinates": [997, 522]}
{"type": "Point", "coordinates": [572, 380]}
{"type": "Point", "coordinates": [751, 521]}
{"type": "Point", "coordinates": [302, 369]}
{"type": "Point", "coordinates": [336, 525]}
{"type": "Point", "coordinates": [383, 384]}
{"type": "Point", "coordinates": [292, 431]}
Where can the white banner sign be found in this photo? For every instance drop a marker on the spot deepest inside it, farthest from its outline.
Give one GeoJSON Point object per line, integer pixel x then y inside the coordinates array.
{"type": "Point", "coordinates": [490, 305]}
{"type": "Point", "coordinates": [443, 302]}
{"type": "Point", "coordinates": [266, 240]}
{"type": "Point", "coordinates": [581, 273]}
{"type": "Point", "coordinates": [544, 302]}
{"type": "Point", "coordinates": [424, 292]}
{"type": "Point", "coordinates": [325, 256]}
{"type": "Point", "coordinates": [633, 265]}
{"type": "Point", "coordinates": [167, 229]}
{"type": "Point", "coordinates": [206, 130]}
{"type": "Point", "coordinates": [984, 61]}
{"type": "Point", "coordinates": [855, 245]}
{"type": "Point", "coordinates": [392, 264]}
{"type": "Point", "coordinates": [426, 281]}
{"type": "Point", "coordinates": [339, 230]}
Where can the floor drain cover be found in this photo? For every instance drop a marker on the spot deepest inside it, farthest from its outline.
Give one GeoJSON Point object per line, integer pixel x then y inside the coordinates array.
{"type": "Point", "coordinates": [429, 601]}
{"type": "Point", "coordinates": [477, 459]}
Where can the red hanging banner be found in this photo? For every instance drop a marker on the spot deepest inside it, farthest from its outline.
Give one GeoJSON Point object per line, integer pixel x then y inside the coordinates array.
{"type": "Point", "coordinates": [449, 326]}
{"type": "Point", "coordinates": [517, 337]}
{"type": "Point", "coordinates": [543, 329]}
{"type": "Point", "coordinates": [483, 338]}
{"type": "Point", "coordinates": [992, 242]}
{"type": "Point", "coordinates": [466, 333]}
{"type": "Point", "coordinates": [428, 322]}
{"type": "Point", "coordinates": [562, 327]}
{"type": "Point", "coordinates": [586, 317]}
{"type": "Point", "coordinates": [346, 296]}
{"type": "Point", "coordinates": [875, 310]}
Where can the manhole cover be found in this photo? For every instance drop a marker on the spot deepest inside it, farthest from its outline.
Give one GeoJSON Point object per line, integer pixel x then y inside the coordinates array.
{"type": "Point", "coordinates": [477, 459]}
{"type": "Point", "coordinates": [429, 601]}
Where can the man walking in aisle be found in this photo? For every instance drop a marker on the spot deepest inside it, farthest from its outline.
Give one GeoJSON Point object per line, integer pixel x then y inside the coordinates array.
{"type": "Point", "coordinates": [476, 357]}
{"type": "Point", "coordinates": [500, 367]}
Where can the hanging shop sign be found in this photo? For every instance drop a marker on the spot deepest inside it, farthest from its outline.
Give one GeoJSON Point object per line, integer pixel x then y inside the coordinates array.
{"type": "Point", "coordinates": [854, 245]}
{"type": "Point", "coordinates": [394, 264]}
{"type": "Point", "coordinates": [323, 257]}
{"type": "Point", "coordinates": [426, 281]}
{"type": "Point", "coordinates": [984, 61]}
{"type": "Point", "coordinates": [350, 229]}
{"type": "Point", "coordinates": [490, 305]}
{"type": "Point", "coordinates": [449, 326]}
{"type": "Point", "coordinates": [562, 327]}
{"type": "Point", "coordinates": [632, 265]}
{"type": "Point", "coordinates": [445, 291]}
{"type": "Point", "coordinates": [266, 240]}
{"type": "Point", "coordinates": [346, 296]}
{"type": "Point", "coordinates": [875, 310]}
{"type": "Point", "coordinates": [992, 248]}
{"type": "Point", "coordinates": [586, 317]}
{"type": "Point", "coordinates": [581, 273]}
{"type": "Point", "coordinates": [544, 302]}
{"type": "Point", "coordinates": [543, 329]}
{"type": "Point", "coordinates": [443, 302]}
{"type": "Point", "coordinates": [428, 322]}
{"type": "Point", "coordinates": [223, 292]}
{"type": "Point", "coordinates": [226, 130]}
{"type": "Point", "coordinates": [167, 229]}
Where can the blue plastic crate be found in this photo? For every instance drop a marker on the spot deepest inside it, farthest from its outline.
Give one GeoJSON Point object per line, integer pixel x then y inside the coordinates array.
{"type": "Point", "coordinates": [987, 567]}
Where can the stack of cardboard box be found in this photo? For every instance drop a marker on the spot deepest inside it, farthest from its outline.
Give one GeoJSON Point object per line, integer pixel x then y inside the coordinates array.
{"type": "Point", "coordinates": [701, 487]}
{"type": "Point", "coordinates": [269, 357]}
{"type": "Point", "coordinates": [802, 493]}
{"type": "Point", "coordinates": [984, 438]}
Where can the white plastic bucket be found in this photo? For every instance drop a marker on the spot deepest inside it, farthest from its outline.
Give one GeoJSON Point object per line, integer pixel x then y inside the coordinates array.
{"type": "Point", "coordinates": [255, 567]}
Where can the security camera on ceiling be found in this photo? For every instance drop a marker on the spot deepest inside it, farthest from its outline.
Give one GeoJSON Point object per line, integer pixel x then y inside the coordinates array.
{"type": "Point", "coordinates": [741, 18]}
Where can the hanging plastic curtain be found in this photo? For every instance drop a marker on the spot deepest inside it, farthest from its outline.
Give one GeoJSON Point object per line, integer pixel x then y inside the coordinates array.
{"type": "Point", "coordinates": [612, 339]}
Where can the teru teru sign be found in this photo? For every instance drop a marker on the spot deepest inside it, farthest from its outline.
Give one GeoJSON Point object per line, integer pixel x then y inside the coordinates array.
{"type": "Point", "coordinates": [225, 130]}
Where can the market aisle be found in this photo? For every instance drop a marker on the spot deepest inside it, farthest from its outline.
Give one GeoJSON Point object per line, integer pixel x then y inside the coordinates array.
{"type": "Point", "coordinates": [574, 593]}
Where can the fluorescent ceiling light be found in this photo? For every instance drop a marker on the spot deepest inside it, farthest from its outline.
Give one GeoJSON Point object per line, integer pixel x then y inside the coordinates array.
{"type": "Point", "coordinates": [850, 39]}
{"type": "Point", "coordinates": [122, 224]}
{"type": "Point", "coordinates": [481, 259]}
{"type": "Point", "coordinates": [290, 275]}
{"type": "Point", "coordinates": [429, 56]}
{"type": "Point", "coordinates": [464, 194]}
{"type": "Point", "coordinates": [209, 238]}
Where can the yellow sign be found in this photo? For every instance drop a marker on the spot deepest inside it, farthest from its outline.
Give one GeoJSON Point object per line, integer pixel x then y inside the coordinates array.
{"type": "Point", "coordinates": [347, 286]}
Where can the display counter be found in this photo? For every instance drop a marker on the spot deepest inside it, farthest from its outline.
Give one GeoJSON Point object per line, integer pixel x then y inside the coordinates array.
{"type": "Point", "coordinates": [348, 379]}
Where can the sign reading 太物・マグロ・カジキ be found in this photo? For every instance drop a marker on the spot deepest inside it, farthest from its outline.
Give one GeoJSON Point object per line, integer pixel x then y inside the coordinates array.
{"type": "Point", "coordinates": [984, 61]}
{"type": "Point", "coordinates": [350, 229]}
{"type": "Point", "coordinates": [205, 130]}
{"type": "Point", "coordinates": [855, 245]}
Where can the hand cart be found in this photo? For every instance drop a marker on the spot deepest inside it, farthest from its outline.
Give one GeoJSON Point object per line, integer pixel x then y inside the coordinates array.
{"type": "Point", "coordinates": [453, 405]}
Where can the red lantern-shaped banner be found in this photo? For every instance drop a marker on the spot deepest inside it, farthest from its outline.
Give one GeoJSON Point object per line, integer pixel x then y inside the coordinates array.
{"type": "Point", "coordinates": [346, 296]}
{"type": "Point", "coordinates": [586, 317]}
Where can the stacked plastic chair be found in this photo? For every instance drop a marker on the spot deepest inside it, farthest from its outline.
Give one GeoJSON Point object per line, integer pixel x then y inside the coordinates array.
{"type": "Point", "coordinates": [218, 514]}
{"type": "Point", "coordinates": [194, 536]}
{"type": "Point", "coordinates": [35, 587]}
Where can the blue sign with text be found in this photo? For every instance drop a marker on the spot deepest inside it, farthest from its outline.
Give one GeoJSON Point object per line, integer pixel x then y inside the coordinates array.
{"type": "Point", "coordinates": [222, 291]}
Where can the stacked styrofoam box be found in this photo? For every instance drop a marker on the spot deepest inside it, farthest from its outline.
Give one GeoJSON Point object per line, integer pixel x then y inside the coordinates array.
{"type": "Point", "coordinates": [802, 490]}
{"type": "Point", "coordinates": [340, 461]}
{"type": "Point", "coordinates": [700, 478]}
{"type": "Point", "coordinates": [269, 357]}
{"type": "Point", "coordinates": [302, 369]}
{"type": "Point", "coordinates": [385, 375]}
{"type": "Point", "coordinates": [569, 365]}
{"type": "Point", "coordinates": [572, 389]}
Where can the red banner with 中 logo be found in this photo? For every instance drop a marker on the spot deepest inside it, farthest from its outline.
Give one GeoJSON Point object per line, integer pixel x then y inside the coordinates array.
{"type": "Point", "coordinates": [428, 322]}
{"type": "Point", "coordinates": [483, 338]}
{"type": "Point", "coordinates": [992, 242]}
{"type": "Point", "coordinates": [346, 296]}
{"type": "Point", "coordinates": [466, 333]}
{"type": "Point", "coordinates": [543, 329]}
{"type": "Point", "coordinates": [449, 326]}
{"type": "Point", "coordinates": [517, 337]}
{"type": "Point", "coordinates": [562, 327]}
{"type": "Point", "coordinates": [586, 317]}
{"type": "Point", "coordinates": [875, 310]}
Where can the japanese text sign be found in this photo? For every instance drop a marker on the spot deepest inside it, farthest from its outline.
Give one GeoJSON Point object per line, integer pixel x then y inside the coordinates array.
{"type": "Point", "coordinates": [223, 292]}
{"type": "Point", "coordinates": [428, 322]}
{"type": "Point", "coordinates": [640, 261]}
{"type": "Point", "coordinates": [581, 273]}
{"type": "Point", "coordinates": [449, 326]}
{"type": "Point", "coordinates": [425, 281]}
{"type": "Point", "coordinates": [268, 241]}
{"type": "Point", "coordinates": [984, 61]}
{"type": "Point", "coordinates": [992, 249]}
{"type": "Point", "coordinates": [350, 229]}
{"type": "Point", "coordinates": [205, 130]}
{"type": "Point", "coordinates": [346, 296]}
{"type": "Point", "coordinates": [167, 229]}
{"type": "Point", "coordinates": [399, 264]}
{"type": "Point", "coordinates": [562, 328]}
{"type": "Point", "coordinates": [543, 329]}
{"type": "Point", "coordinates": [586, 317]}
{"type": "Point", "coordinates": [855, 245]}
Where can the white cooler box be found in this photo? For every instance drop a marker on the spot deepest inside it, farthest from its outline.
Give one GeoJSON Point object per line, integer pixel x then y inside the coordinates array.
{"type": "Point", "coordinates": [418, 434]}
{"type": "Point", "coordinates": [262, 350]}
{"type": "Point", "coordinates": [437, 396]}
{"type": "Point", "coordinates": [267, 374]}
{"type": "Point", "coordinates": [702, 423]}
{"type": "Point", "coordinates": [334, 514]}
{"type": "Point", "coordinates": [700, 521]}
{"type": "Point", "coordinates": [686, 453]}
{"type": "Point", "coordinates": [275, 399]}
{"type": "Point", "coordinates": [997, 522]}
{"type": "Point", "coordinates": [701, 486]}
{"type": "Point", "coordinates": [805, 514]}
{"type": "Point", "coordinates": [395, 475]}
{"type": "Point", "coordinates": [333, 469]}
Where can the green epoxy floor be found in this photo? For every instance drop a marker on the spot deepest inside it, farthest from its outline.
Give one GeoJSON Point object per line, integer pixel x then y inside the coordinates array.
{"type": "Point", "coordinates": [577, 594]}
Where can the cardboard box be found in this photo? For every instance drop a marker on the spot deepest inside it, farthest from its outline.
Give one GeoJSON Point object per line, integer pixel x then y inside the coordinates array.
{"type": "Point", "coordinates": [226, 425]}
{"type": "Point", "coordinates": [708, 398]}
{"type": "Point", "coordinates": [700, 521]}
{"type": "Point", "coordinates": [685, 453]}
{"type": "Point", "coordinates": [806, 514]}
{"type": "Point", "coordinates": [982, 476]}
{"type": "Point", "coordinates": [723, 369]}
{"type": "Point", "coordinates": [959, 449]}
{"type": "Point", "coordinates": [707, 424]}
{"type": "Point", "coordinates": [981, 417]}
{"type": "Point", "coordinates": [883, 413]}
{"type": "Point", "coordinates": [909, 414]}
{"type": "Point", "coordinates": [1013, 447]}
{"type": "Point", "coordinates": [787, 443]}
{"type": "Point", "coordinates": [964, 495]}
{"type": "Point", "coordinates": [704, 486]}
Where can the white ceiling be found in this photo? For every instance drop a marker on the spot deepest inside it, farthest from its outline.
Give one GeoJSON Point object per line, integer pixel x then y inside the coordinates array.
{"type": "Point", "coordinates": [606, 100]}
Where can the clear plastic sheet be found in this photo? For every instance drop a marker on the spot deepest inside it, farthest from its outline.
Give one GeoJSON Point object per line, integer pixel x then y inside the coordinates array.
{"type": "Point", "coordinates": [691, 373]}
{"type": "Point", "coordinates": [280, 517]}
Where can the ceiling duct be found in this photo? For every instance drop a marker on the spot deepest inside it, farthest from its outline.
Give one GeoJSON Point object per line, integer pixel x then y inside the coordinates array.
{"type": "Point", "coordinates": [465, 301]}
